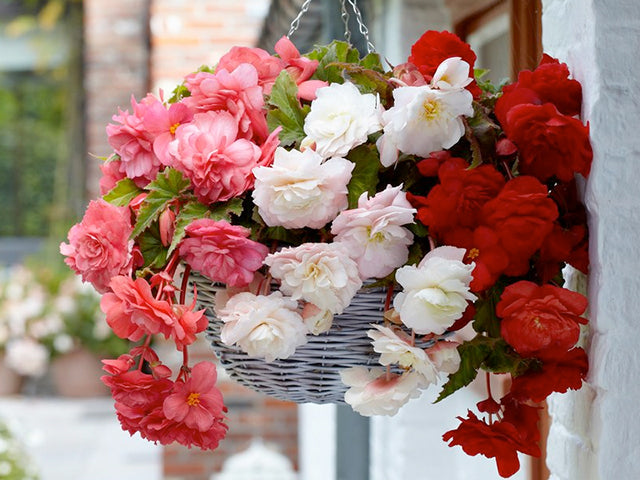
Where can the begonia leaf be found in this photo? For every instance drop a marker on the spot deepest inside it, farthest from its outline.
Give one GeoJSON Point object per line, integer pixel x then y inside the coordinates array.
{"type": "Point", "coordinates": [369, 81]}
{"type": "Point", "coordinates": [287, 111]}
{"type": "Point", "coordinates": [472, 355]}
{"type": "Point", "coordinates": [364, 177]}
{"type": "Point", "coordinates": [153, 252]}
{"type": "Point", "coordinates": [124, 191]}
{"type": "Point", "coordinates": [167, 186]}
{"type": "Point", "coordinates": [329, 57]}
{"type": "Point", "coordinates": [486, 319]}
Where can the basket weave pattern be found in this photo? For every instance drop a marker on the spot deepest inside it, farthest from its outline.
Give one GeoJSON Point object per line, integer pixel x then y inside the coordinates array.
{"type": "Point", "coordinates": [312, 373]}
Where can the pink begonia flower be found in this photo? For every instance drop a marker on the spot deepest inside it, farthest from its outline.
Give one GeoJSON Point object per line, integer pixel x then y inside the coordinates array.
{"type": "Point", "coordinates": [162, 123]}
{"type": "Point", "coordinates": [197, 402]}
{"type": "Point", "coordinates": [222, 252]}
{"type": "Point", "coordinates": [207, 152]}
{"type": "Point", "coordinates": [300, 190]}
{"type": "Point", "coordinates": [408, 74]}
{"type": "Point", "coordinates": [265, 326]}
{"type": "Point", "coordinates": [445, 356]}
{"type": "Point", "coordinates": [319, 273]}
{"type": "Point", "coordinates": [132, 311]}
{"type": "Point", "coordinates": [436, 292]}
{"type": "Point", "coordinates": [300, 68]}
{"type": "Point", "coordinates": [99, 247]}
{"type": "Point", "coordinates": [394, 347]}
{"type": "Point", "coordinates": [236, 92]}
{"type": "Point", "coordinates": [267, 66]}
{"type": "Point", "coordinates": [375, 392]}
{"type": "Point", "coordinates": [111, 175]}
{"type": "Point", "coordinates": [423, 120]}
{"type": "Point", "coordinates": [134, 143]}
{"type": "Point", "coordinates": [373, 233]}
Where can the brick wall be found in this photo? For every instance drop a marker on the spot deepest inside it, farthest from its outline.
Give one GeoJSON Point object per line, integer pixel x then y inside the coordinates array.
{"type": "Point", "coordinates": [187, 34]}
{"type": "Point", "coordinates": [116, 57]}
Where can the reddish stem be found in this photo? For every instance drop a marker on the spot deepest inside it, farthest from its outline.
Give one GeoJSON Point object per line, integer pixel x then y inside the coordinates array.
{"type": "Point", "coordinates": [147, 342]}
{"type": "Point", "coordinates": [488, 381]}
{"type": "Point", "coordinates": [387, 300]}
{"type": "Point", "coordinates": [432, 243]}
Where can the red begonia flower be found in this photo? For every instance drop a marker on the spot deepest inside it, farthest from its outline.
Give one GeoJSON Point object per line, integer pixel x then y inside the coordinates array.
{"type": "Point", "coordinates": [538, 319]}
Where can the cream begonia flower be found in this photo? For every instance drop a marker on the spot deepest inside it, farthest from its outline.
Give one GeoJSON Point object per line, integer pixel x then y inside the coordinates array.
{"type": "Point", "coordinates": [423, 120]}
{"type": "Point", "coordinates": [317, 321]}
{"type": "Point", "coordinates": [394, 348]}
{"type": "Point", "coordinates": [262, 326]}
{"type": "Point", "coordinates": [435, 292]}
{"type": "Point", "coordinates": [300, 190]}
{"type": "Point", "coordinates": [373, 232]}
{"type": "Point", "coordinates": [341, 118]}
{"type": "Point", "coordinates": [445, 356]}
{"type": "Point", "coordinates": [319, 273]}
{"type": "Point", "coordinates": [374, 392]}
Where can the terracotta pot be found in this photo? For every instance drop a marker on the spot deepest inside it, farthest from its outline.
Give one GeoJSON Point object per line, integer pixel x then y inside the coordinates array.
{"type": "Point", "coordinates": [77, 374]}
{"type": "Point", "coordinates": [10, 381]}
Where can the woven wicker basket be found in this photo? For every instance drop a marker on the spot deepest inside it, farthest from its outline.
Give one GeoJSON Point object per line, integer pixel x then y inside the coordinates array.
{"type": "Point", "coordinates": [312, 373]}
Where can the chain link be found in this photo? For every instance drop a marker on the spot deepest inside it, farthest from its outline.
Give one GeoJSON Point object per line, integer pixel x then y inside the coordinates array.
{"type": "Point", "coordinates": [296, 21]}
{"type": "Point", "coordinates": [344, 14]}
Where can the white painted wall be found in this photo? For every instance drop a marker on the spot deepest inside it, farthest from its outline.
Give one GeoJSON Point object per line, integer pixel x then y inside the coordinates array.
{"type": "Point", "coordinates": [595, 433]}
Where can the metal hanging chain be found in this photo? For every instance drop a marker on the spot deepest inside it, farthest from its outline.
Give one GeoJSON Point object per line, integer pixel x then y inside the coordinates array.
{"type": "Point", "coordinates": [296, 21]}
{"type": "Point", "coordinates": [344, 14]}
{"type": "Point", "coordinates": [362, 28]}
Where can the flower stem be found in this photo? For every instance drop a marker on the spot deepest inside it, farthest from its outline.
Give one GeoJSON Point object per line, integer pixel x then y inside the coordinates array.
{"type": "Point", "coordinates": [387, 300]}
{"type": "Point", "coordinates": [185, 284]}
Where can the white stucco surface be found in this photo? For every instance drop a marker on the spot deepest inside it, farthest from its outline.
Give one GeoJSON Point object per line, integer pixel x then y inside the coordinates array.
{"type": "Point", "coordinates": [596, 432]}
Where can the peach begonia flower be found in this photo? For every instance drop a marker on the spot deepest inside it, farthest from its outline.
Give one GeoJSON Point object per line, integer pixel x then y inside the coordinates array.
{"type": "Point", "coordinates": [222, 252]}
{"type": "Point", "coordinates": [99, 247]}
{"type": "Point", "coordinates": [373, 233]}
{"type": "Point", "coordinates": [375, 392]}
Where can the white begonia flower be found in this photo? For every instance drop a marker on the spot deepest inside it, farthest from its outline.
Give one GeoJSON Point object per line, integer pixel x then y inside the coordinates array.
{"type": "Point", "coordinates": [445, 356]}
{"type": "Point", "coordinates": [451, 74]}
{"type": "Point", "coordinates": [375, 392]}
{"type": "Point", "coordinates": [394, 348]}
{"type": "Point", "coordinates": [27, 357]}
{"type": "Point", "coordinates": [435, 293]}
{"type": "Point", "coordinates": [262, 326]}
{"type": "Point", "coordinates": [63, 343]}
{"type": "Point", "coordinates": [423, 120]}
{"type": "Point", "coordinates": [373, 233]}
{"type": "Point", "coordinates": [300, 190]}
{"type": "Point", "coordinates": [317, 320]}
{"type": "Point", "coordinates": [319, 273]}
{"type": "Point", "coordinates": [341, 118]}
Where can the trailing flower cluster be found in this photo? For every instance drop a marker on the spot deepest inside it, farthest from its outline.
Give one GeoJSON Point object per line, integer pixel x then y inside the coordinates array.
{"type": "Point", "coordinates": [326, 174]}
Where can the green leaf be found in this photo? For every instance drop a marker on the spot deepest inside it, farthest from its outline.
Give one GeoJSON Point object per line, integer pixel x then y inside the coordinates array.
{"type": "Point", "coordinates": [167, 186]}
{"type": "Point", "coordinates": [192, 210]}
{"type": "Point", "coordinates": [503, 359]}
{"type": "Point", "coordinates": [485, 319]}
{"type": "Point", "coordinates": [372, 61]}
{"type": "Point", "coordinates": [472, 356]}
{"type": "Point", "coordinates": [330, 56]}
{"type": "Point", "coordinates": [180, 92]}
{"type": "Point", "coordinates": [287, 111]}
{"type": "Point", "coordinates": [281, 234]}
{"type": "Point", "coordinates": [223, 210]}
{"type": "Point", "coordinates": [153, 252]}
{"type": "Point", "coordinates": [369, 81]}
{"type": "Point", "coordinates": [364, 177]}
{"type": "Point", "coordinates": [122, 194]}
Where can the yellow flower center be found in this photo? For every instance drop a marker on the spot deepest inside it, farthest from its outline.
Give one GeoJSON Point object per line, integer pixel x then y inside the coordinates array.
{"type": "Point", "coordinates": [473, 254]}
{"type": "Point", "coordinates": [193, 399]}
{"type": "Point", "coordinates": [431, 109]}
{"type": "Point", "coordinates": [377, 237]}
{"type": "Point", "coordinates": [173, 128]}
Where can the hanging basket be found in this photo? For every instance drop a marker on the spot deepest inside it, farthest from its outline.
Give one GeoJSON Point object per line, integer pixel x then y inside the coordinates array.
{"type": "Point", "coordinates": [312, 373]}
